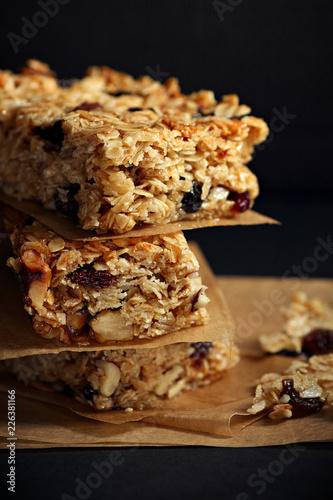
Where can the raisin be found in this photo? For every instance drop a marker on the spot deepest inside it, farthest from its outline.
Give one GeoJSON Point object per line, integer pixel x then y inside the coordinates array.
{"type": "Point", "coordinates": [201, 349]}
{"type": "Point", "coordinates": [192, 201]}
{"type": "Point", "coordinates": [75, 333]}
{"type": "Point", "coordinates": [88, 276]}
{"type": "Point", "coordinates": [135, 109]}
{"type": "Point", "coordinates": [242, 201]}
{"type": "Point", "coordinates": [53, 133]}
{"type": "Point", "coordinates": [319, 341]}
{"type": "Point", "coordinates": [89, 392]}
{"type": "Point", "coordinates": [304, 405]}
{"type": "Point", "coordinates": [89, 106]}
{"type": "Point", "coordinates": [65, 202]}
{"type": "Point", "coordinates": [120, 93]}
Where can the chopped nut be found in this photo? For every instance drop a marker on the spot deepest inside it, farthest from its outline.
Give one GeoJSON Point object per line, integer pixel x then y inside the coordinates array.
{"type": "Point", "coordinates": [36, 277]}
{"type": "Point", "coordinates": [176, 388]}
{"type": "Point", "coordinates": [109, 381]}
{"type": "Point", "coordinates": [200, 300]}
{"type": "Point", "coordinates": [110, 325]}
{"type": "Point", "coordinates": [167, 379]}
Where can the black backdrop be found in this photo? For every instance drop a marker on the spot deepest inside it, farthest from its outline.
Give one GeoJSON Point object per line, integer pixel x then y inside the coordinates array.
{"type": "Point", "coordinates": [276, 54]}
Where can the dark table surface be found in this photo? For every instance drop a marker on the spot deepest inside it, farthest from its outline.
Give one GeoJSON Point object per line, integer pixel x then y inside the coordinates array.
{"type": "Point", "coordinates": [195, 472]}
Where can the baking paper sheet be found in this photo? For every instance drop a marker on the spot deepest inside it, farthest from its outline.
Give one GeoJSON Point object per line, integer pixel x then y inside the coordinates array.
{"type": "Point", "coordinates": [68, 230]}
{"type": "Point", "coordinates": [211, 416]}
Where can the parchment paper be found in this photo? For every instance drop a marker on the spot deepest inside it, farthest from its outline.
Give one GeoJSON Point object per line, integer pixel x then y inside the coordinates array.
{"type": "Point", "coordinates": [67, 229]}
{"type": "Point", "coordinates": [211, 416]}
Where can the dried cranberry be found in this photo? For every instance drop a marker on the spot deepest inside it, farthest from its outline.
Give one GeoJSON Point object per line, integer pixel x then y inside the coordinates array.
{"type": "Point", "coordinates": [192, 201]}
{"type": "Point", "coordinates": [319, 341]}
{"type": "Point", "coordinates": [242, 201]}
{"type": "Point", "coordinates": [89, 392]}
{"type": "Point", "coordinates": [53, 133]}
{"type": "Point", "coordinates": [88, 276]}
{"type": "Point", "coordinates": [65, 202]}
{"type": "Point", "coordinates": [201, 349]}
{"type": "Point", "coordinates": [304, 405]}
{"type": "Point", "coordinates": [89, 106]}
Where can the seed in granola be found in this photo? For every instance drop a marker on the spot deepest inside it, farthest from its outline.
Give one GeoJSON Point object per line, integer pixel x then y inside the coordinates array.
{"type": "Point", "coordinates": [135, 109]}
{"type": "Point", "coordinates": [88, 276]}
{"type": "Point", "coordinates": [192, 201]}
{"type": "Point", "coordinates": [88, 106]}
{"type": "Point", "coordinates": [65, 202]}
{"type": "Point", "coordinates": [242, 201]}
{"type": "Point", "coordinates": [89, 392]}
{"type": "Point", "coordinates": [319, 341]}
{"type": "Point", "coordinates": [304, 405]}
{"type": "Point", "coordinates": [53, 133]}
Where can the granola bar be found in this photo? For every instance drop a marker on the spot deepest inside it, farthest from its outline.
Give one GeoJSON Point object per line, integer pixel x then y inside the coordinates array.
{"type": "Point", "coordinates": [105, 290]}
{"type": "Point", "coordinates": [133, 379]}
{"type": "Point", "coordinates": [114, 152]}
{"type": "Point", "coordinates": [303, 389]}
{"type": "Point", "coordinates": [308, 328]}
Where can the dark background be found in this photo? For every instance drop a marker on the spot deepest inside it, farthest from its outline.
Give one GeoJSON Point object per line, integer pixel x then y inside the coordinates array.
{"type": "Point", "coordinates": [277, 55]}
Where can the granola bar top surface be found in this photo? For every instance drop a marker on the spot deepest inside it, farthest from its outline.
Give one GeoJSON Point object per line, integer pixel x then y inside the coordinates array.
{"type": "Point", "coordinates": [308, 327]}
{"type": "Point", "coordinates": [303, 389]}
{"type": "Point", "coordinates": [115, 152]}
{"type": "Point", "coordinates": [105, 290]}
{"type": "Point", "coordinates": [128, 379]}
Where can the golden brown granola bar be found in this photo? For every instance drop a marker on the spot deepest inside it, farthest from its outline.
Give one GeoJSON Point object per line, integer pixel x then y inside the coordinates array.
{"type": "Point", "coordinates": [105, 290]}
{"type": "Point", "coordinates": [134, 378]}
{"type": "Point", "coordinates": [114, 152]}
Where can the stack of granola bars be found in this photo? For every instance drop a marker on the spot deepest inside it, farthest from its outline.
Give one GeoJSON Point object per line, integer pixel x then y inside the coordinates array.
{"type": "Point", "coordinates": [124, 158]}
